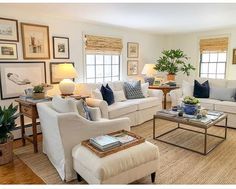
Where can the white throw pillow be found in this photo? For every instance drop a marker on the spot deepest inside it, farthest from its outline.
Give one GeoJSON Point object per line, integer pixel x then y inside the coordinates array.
{"type": "Point", "coordinates": [187, 88]}
{"type": "Point", "coordinates": [96, 94]}
{"type": "Point", "coordinates": [144, 87]}
{"type": "Point", "coordinates": [64, 105]}
{"type": "Point", "coordinates": [119, 96]}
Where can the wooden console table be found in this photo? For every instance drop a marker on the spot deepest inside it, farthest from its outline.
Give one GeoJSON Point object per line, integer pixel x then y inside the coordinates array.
{"type": "Point", "coordinates": [28, 109]}
{"type": "Point", "coordinates": [166, 89]}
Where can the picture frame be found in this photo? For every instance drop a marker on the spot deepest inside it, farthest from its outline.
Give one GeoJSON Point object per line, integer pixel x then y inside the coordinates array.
{"type": "Point", "coordinates": [158, 81]}
{"type": "Point", "coordinates": [35, 41]}
{"type": "Point", "coordinates": [132, 67]}
{"type": "Point", "coordinates": [8, 51]}
{"type": "Point", "coordinates": [53, 65]}
{"type": "Point", "coordinates": [234, 56]}
{"type": "Point", "coordinates": [16, 77]}
{"type": "Point", "coordinates": [9, 30]}
{"type": "Point", "coordinates": [61, 49]}
{"type": "Point", "coordinates": [132, 50]}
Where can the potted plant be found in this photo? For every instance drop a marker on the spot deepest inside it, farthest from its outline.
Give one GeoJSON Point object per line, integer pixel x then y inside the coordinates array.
{"type": "Point", "coordinates": [38, 92]}
{"type": "Point", "coordinates": [7, 124]}
{"type": "Point", "coordinates": [190, 105]}
{"type": "Point", "coordinates": [172, 62]}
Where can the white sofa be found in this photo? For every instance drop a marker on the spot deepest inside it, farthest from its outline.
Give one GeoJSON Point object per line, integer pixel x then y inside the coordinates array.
{"type": "Point", "coordinates": [137, 110]}
{"type": "Point", "coordinates": [62, 131]}
{"type": "Point", "coordinates": [212, 104]}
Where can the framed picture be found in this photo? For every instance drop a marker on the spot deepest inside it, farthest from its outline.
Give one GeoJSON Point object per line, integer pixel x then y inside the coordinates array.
{"type": "Point", "coordinates": [35, 39]}
{"type": "Point", "coordinates": [158, 81]}
{"type": "Point", "coordinates": [234, 56]}
{"type": "Point", "coordinates": [132, 50]}
{"type": "Point", "coordinates": [8, 51]}
{"type": "Point", "coordinates": [132, 67]}
{"type": "Point", "coordinates": [61, 48]}
{"type": "Point", "coordinates": [53, 67]}
{"type": "Point", "coordinates": [18, 76]}
{"type": "Point", "coordinates": [9, 30]}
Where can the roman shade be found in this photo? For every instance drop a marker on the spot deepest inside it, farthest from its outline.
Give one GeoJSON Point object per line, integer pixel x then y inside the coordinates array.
{"type": "Point", "coordinates": [103, 44]}
{"type": "Point", "coordinates": [214, 44]}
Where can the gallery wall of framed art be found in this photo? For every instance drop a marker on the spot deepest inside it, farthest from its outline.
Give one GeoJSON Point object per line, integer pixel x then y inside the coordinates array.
{"type": "Point", "coordinates": [18, 76]}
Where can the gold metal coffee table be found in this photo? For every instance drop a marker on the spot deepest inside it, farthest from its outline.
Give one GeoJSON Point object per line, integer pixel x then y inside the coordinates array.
{"type": "Point", "coordinates": [186, 121]}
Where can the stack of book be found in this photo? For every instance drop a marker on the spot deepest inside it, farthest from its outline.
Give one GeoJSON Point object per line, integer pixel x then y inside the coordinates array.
{"type": "Point", "coordinates": [105, 142]}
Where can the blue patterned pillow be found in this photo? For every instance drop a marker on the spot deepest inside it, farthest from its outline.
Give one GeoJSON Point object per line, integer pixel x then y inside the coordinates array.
{"type": "Point", "coordinates": [133, 90]}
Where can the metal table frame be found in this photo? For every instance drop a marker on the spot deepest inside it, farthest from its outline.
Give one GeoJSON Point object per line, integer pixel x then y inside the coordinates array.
{"type": "Point", "coordinates": [201, 126]}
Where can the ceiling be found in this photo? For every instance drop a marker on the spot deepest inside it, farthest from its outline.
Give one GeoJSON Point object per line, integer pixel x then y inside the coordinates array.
{"type": "Point", "coordinates": [160, 18]}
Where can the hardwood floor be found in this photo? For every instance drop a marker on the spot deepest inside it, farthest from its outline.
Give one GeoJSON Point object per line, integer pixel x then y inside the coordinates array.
{"type": "Point", "coordinates": [17, 172]}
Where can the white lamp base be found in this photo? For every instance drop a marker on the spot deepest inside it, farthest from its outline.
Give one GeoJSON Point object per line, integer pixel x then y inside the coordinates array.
{"type": "Point", "coordinates": [67, 87]}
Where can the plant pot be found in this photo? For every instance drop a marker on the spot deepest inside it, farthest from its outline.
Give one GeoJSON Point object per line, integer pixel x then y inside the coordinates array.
{"type": "Point", "coordinates": [190, 109]}
{"type": "Point", "coordinates": [170, 77]}
{"type": "Point", "coordinates": [6, 151]}
{"type": "Point", "coordinates": [38, 96]}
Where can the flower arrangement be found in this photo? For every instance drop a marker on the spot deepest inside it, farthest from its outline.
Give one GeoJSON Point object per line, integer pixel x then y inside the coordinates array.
{"type": "Point", "coordinates": [191, 100]}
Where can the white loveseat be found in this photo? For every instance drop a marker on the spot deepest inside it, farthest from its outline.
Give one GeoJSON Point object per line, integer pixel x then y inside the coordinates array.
{"type": "Point", "coordinates": [137, 110]}
{"type": "Point", "coordinates": [62, 131]}
{"type": "Point", "coordinates": [212, 104]}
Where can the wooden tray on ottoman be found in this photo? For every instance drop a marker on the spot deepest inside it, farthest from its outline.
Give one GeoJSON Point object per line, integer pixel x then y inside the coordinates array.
{"type": "Point", "coordinates": [101, 153]}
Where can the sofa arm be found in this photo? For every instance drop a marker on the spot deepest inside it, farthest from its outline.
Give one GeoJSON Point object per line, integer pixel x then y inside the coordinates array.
{"type": "Point", "coordinates": [101, 104]}
{"type": "Point", "coordinates": [175, 95]}
{"type": "Point", "coordinates": [155, 93]}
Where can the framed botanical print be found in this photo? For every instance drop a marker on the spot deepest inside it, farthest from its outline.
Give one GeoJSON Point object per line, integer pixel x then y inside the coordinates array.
{"type": "Point", "coordinates": [9, 30]}
{"type": "Point", "coordinates": [132, 67]}
{"type": "Point", "coordinates": [234, 56]}
{"type": "Point", "coordinates": [8, 51]}
{"type": "Point", "coordinates": [61, 48]}
{"type": "Point", "coordinates": [35, 39]}
{"type": "Point", "coordinates": [132, 50]}
{"type": "Point", "coordinates": [53, 67]}
{"type": "Point", "coordinates": [18, 76]}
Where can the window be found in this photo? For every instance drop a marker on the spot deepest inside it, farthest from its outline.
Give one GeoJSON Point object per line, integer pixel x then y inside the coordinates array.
{"type": "Point", "coordinates": [213, 64]}
{"type": "Point", "coordinates": [102, 67]}
{"type": "Point", "coordinates": [213, 57]}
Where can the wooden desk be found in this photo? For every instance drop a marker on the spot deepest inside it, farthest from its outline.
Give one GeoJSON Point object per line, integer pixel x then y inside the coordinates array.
{"type": "Point", "coordinates": [165, 89]}
{"type": "Point", "coordinates": [28, 109]}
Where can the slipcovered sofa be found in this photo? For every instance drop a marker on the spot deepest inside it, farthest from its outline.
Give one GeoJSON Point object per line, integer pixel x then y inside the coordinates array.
{"type": "Point", "coordinates": [137, 110]}
{"type": "Point", "coordinates": [209, 103]}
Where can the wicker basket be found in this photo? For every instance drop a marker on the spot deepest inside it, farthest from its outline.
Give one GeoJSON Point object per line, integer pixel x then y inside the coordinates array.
{"type": "Point", "coordinates": [6, 152]}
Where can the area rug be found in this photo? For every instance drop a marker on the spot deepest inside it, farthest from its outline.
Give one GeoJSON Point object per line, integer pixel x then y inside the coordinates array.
{"type": "Point", "coordinates": [177, 165]}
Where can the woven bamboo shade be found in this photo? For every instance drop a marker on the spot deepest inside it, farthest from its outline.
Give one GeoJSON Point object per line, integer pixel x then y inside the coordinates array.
{"type": "Point", "coordinates": [103, 44]}
{"type": "Point", "coordinates": [214, 44]}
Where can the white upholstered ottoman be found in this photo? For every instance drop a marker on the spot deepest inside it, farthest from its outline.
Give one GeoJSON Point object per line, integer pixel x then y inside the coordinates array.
{"type": "Point", "coordinates": [122, 167]}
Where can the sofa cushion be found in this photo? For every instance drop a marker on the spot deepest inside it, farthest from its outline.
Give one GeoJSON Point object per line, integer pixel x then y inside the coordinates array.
{"type": "Point", "coordinates": [224, 94]}
{"type": "Point", "coordinates": [143, 103]}
{"type": "Point", "coordinates": [133, 90]}
{"type": "Point", "coordinates": [231, 84]}
{"type": "Point", "coordinates": [201, 90]}
{"type": "Point", "coordinates": [208, 103]}
{"type": "Point", "coordinates": [121, 108]}
{"type": "Point", "coordinates": [64, 105]}
{"type": "Point", "coordinates": [226, 106]}
{"type": "Point", "coordinates": [107, 94]}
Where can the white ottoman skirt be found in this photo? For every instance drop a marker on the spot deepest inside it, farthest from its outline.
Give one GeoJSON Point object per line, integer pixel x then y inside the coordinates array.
{"type": "Point", "coordinates": [123, 167]}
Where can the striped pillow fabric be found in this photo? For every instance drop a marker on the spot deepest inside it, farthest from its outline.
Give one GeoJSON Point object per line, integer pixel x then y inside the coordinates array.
{"type": "Point", "coordinates": [133, 90]}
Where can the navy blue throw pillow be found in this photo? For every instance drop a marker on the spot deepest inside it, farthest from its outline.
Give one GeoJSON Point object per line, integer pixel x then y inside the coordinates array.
{"type": "Point", "coordinates": [201, 90]}
{"type": "Point", "coordinates": [107, 94]}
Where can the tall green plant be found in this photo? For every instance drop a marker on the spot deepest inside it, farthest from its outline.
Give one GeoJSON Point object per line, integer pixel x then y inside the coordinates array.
{"type": "Point", "coordinates": [173, 61]}
{"type": "Point", "coordinates": [8, 116]}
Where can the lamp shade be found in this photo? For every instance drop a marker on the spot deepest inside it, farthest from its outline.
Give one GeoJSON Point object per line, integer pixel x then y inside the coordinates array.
{"type": "Point", "coordinates": [148, 70]}
{"type": "Point", "coordinates": [65, 71]}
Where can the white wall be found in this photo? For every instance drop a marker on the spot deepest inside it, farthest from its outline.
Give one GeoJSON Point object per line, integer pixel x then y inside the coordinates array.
{"type": "Point", "coordinates": [150, 46]}
{"type": "Point", "coordinates": [189, 43]}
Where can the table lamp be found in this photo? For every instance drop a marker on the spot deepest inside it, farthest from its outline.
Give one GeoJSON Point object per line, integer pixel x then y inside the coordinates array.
{"type": "Point", "coordinates": [149, 71]}
{"type": "Point", "coordinates": [66, 72]}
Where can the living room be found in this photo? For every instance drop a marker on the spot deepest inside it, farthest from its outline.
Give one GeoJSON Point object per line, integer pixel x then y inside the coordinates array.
{"type": "Point", "coordinates": [156, 81]}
